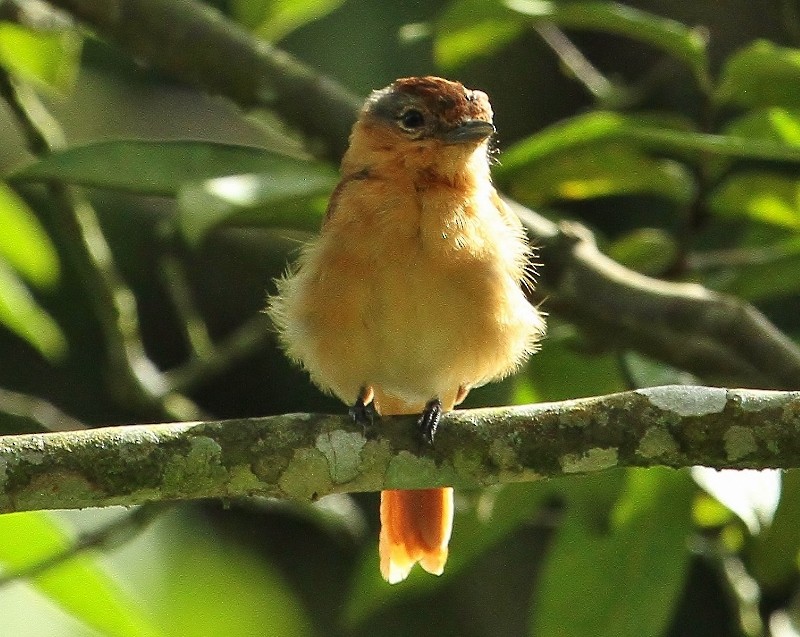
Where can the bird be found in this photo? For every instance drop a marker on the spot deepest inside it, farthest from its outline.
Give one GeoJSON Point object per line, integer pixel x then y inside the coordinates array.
{"type": "Point", "coordinates": [414, 291]}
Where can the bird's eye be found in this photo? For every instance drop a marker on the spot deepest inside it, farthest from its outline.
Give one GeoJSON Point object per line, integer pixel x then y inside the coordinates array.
{"type": "Point", "coordinates": [411, 120]}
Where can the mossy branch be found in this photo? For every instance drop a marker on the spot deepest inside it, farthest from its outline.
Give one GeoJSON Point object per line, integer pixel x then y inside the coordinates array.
{"type": "Point", "coordinates": [306, 456]}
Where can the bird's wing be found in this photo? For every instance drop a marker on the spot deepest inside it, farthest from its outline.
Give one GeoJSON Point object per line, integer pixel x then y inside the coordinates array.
{"type": "Point", "coordinates": [336, 195]}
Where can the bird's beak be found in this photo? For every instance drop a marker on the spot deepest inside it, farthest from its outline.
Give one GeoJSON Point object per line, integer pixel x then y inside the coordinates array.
{"type": "Point", "coordinates": [471, 130]}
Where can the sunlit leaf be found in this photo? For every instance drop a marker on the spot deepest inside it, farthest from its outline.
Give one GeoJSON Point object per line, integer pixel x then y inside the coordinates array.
{"type": "Point", "coordinates": [623, 580]}
{"type": "Point", "coordinates": [600, 170]}
{"type": "Point", "coordinates": [273, 19]}
{"type": "Point", "coordinates": [20, 313]}
{"type": "Point", "coordinates": [471, 28]}
{"type": "Point", "coordinates": [761, 74]}
{"type": "Point", "coordinates": [207, 586]}
{"type": "Point", "coordinates": [680, 41]}
{"type": "Point", "coordinates": [79, 585]}
{"type": "Point", "coordinates": [751, 495]}
{"type": "Point", "coordinates": [50, 58]}
{"type": "Point", "coordinates": [606, 126]}
{"type": "Point", "coordinates": [23, 242]}
{"type": "Point", "coordinates": [156, 167]}
{"type": "Point", "coordinates": [775, 124]}
{"type": "Point", "coordinates": [769, 198]}
{"type": "Point", "coordinates": [275, 195]}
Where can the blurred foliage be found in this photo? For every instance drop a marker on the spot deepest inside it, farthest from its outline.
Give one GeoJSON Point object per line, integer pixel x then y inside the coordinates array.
{"type": "Point", "coordinates": [675, 135]}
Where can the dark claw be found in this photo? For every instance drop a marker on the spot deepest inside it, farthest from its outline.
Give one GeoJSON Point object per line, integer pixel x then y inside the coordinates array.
{"type": "Point", "coordinates": [429, 421]}
{"type": "Point", "coordinates": [365, 415]}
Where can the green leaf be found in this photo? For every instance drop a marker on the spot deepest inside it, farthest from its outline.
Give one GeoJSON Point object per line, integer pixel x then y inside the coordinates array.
{"type": "Point", "coordinates": [645, 132]}
{"type": "Point", "coordinates": [773, 555]}
{"type": "Point", "coordinates": [270, 199]}
{"type": "Point", "coordinates": [24, 244]}
{"type": "Point", "coordinates": [646, 250]}
{"type": "Point", "coordinates": [274, 19]}
{"type": "Point", "coordinates": [751, 494]}
{"type": "Point", "coordinates": [755, 273]}
{"type": "Point", "coordinates": [600, 170]}
{"type": "Point", "coordinates": [624, 580]}
{"type": "Point", "coordinates": [678, 40]}
{"type": "Point", "coordinates": [20, 313]}
{"type": "Point", "coordinates": [769, 198]}
{"type": "Point", "coordinates": [79, 585]}
{"type": "Point", "coordinates": [762, 74]}
{"type": "Point", "coordinates": [590, 374]}
{"type": "Point", "coordinates": [774, 124]}
{"type": "Point", "coordinates": [156, 167]}
{"type": "Point", "coordinates": [50, 58]}
{"type": "Point", "coordinates": [471, 28]}
{"type": "Point", "coordinates": [644, 371]}
{"type": "Point", "coordinates": [205, 584]}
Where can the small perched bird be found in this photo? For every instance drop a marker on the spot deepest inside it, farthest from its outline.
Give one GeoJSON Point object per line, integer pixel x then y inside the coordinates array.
{"type": "Point", "coordinates": [412, 294]}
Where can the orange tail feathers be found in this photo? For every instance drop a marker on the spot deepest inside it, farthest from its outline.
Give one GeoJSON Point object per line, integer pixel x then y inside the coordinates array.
{"type": "Point", "coordinates": [415, 527]}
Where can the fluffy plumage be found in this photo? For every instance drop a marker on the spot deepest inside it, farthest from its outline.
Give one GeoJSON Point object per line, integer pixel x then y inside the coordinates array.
{"type": "Point", "coordinates": [414, 288]}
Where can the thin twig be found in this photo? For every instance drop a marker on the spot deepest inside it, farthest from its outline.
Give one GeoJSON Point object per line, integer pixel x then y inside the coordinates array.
{"type": "Point", "coordinates": [37, 410]}
{"type": "Point", "coordinates": [584, 71]}
{"type": "Point", "coordinates": [246, 340]}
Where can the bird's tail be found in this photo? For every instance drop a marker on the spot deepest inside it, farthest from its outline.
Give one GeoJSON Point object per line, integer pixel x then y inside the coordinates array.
{"type": "Point", "coordinates": [415, 525]}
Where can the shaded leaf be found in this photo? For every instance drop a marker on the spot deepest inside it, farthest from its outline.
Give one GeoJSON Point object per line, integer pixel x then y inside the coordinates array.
{"type": "Point", "coordinates": [20, 313]}
{"type": "Point", "coordinates": [758, 272]}
{"type": "Point", "coordinates": [471, 28]}
{"type": "Point", "coordinates": [647, 250]}
{"type": "Point", "coordinates": [273, 19]}
{"type": "Point", "coordinates": [50, 58]}
{"type": "Point", "coordinates": [624, 580]}
{"type": "Point", "coordinates": [24, 244]}
{"type": "Point", "coordinates": [644, 371]}
{"type": "Point", "coordinates": [600, 170]}
{"type": "Point", "coordinates": [761, 74]}
{"type": "Point", "coordinates": [157, 167]}
{"type": "Point", "coordinates": [773, 554]}
{"type": "Point", "coordinates": [272, 199]}
{"type": "Point", "coordinates": [562, 371]}
{"type": "Point", "coordinates": [79, 586]}
{"type": "Point", "coordinates": [680, 41]}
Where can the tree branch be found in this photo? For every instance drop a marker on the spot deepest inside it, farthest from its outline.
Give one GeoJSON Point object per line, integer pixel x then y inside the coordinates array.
{"type": "Point", "coordinates": [718, 338]}
{"type": "Point", "coordinates": [306, 456]}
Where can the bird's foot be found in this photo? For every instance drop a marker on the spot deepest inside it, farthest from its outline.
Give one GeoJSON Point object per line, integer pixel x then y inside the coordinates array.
{"type": "Point", "coordinates": [429, 420]}
{"type": "Point", "coordinates": [364, 413]}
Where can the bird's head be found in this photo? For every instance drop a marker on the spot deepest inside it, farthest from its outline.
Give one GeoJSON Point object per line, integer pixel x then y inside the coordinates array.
{"type": "Point", "coordinates": [426, 122]}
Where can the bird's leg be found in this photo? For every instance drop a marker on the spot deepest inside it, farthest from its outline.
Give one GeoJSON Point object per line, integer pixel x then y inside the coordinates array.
{"type": "Point", "coordinates": [429, 420]}
{"type": "Point", "coordinates": [363, 411]}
